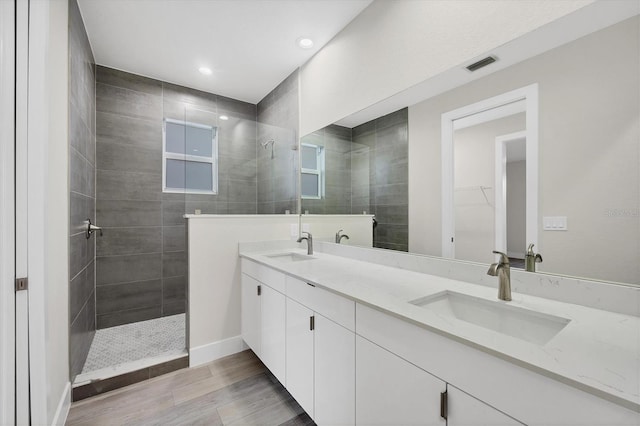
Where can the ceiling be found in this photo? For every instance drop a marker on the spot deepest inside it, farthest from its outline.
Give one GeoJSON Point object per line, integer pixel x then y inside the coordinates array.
{"type": "Point", "coordinates": [250, 45]}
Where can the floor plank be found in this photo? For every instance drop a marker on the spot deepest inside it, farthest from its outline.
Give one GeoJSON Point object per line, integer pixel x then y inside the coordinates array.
{"type": "Point", "coordinates": [237, 389]}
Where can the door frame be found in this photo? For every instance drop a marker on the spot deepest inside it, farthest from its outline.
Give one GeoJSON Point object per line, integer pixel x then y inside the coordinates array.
{"type": "Point", "coordinates": [7, 212]}
{"type": "Point", "coordinates": [528, 94]}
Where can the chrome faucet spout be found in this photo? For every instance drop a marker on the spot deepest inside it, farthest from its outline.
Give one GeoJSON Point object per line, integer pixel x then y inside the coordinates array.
{"type": "Point", "coordinates": [309, 239]}
{"type": "Point", "coordinates": [502, 270]}
{"type": "Point", "coordinates": [339, 236]}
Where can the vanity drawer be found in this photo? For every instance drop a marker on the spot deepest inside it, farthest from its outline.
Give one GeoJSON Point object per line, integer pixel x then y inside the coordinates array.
{"type": "Point", "coordinates": [264, 274]}
{"type": "Point", "coordinates": [326, 303]}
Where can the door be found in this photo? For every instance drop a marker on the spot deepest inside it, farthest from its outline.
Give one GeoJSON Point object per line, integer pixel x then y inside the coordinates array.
{"type": "Point", "coordinates": [465, 410]}
{"type": "Point", "coordinates": [390, 390]}
{"type": "Point", "coordinates": [300, 355]}
{"type": "Point", "coordinates": [334, 349]}
{"type": "Point", "coordinates": [272, 348]}
{"type": "Point", "coordinates": [250, 313]}
{"type": "Point", "coordinates": [7, 216]}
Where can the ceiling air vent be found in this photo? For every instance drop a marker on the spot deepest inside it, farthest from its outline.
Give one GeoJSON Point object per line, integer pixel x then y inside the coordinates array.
{"type": "Point", "coordinates": [481, 63]}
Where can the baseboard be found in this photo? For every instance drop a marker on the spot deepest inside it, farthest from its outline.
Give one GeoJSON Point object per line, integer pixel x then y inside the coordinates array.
{"type": "Point", "coordinates": [212, 351]}
{"type": "Point", "coordinates": [60, 418]}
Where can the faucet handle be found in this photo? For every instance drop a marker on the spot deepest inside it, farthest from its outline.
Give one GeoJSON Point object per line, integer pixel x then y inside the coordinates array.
{"type": "Point", "coordinates": [503, 257]}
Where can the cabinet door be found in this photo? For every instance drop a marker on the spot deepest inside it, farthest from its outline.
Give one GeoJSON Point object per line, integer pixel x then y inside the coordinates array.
{"type": "Point", "coordinates": [272, 349]}
{"type": "Point", "coordinates": [334, 348]}
{"type": "Point", "coordinates": [250, 313]}
{"type": "Point", "coordinates": [300, 355]}
{"type": "Point", "coordinates": [392, 391]}
{"type": "Point", "coordinates": [465, 410]}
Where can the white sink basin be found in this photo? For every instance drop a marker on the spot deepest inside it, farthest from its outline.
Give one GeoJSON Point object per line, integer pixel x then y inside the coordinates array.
{"type": "Point", "coordinates": [532, 326]}
{"type": "Point", "coordinates": [290, 257]}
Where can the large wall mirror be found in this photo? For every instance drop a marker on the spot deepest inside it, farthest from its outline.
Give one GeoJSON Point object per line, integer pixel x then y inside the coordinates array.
{"type": "Point", "coordinates": [558, 166]}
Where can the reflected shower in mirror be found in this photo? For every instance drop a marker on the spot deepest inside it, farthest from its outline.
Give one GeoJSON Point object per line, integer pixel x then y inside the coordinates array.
{"type": "Point", "coordinates": [588, 154]}
{"type": "Point", "coordinates": [362, 170]}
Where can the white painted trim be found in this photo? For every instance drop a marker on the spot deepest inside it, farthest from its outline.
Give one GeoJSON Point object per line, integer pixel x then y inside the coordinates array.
{"type": "Point", "coordinates": [530, 95]}
{"type": "Point", "coordinates": [60, 417]}
{"type": "Point", "coordinates": [7, 213]}
{"type": "Point", "coordinates": [501, 187]}
{"type": "Point", "coordinates": [36, 215]}
{"type": "Point", "coordinates": [22, 413]}
{"type": "Point", "coordinates": [212, 351]}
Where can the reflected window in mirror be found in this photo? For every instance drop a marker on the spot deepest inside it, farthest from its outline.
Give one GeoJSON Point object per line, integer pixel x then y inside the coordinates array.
{"type": "Point", "coordinates": [189, 158]}
{"type": "Point", "coordinates": [312, 171]}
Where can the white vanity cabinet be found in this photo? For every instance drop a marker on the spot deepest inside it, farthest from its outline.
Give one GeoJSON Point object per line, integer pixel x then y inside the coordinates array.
{"type": "Point", "coordinates": [321, 353]}
{"type": "Point", "coordinates": [263, 315]}
{"type": "Point", "coordinates": [250, 315]}
{"type": "Point", "coordinates": [390, 390]}
{"type": "Point", "coordinates": [465, 410]}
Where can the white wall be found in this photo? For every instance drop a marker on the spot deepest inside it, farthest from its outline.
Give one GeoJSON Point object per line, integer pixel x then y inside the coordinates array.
{"type": "Point", "coordinates": [214, 269]}
{"type": "Point", "coordinates": [393, 45]}
{"type": "Point", "coordinates": [48, 213]}
{"type": "Point", "coordinates": [588, 153]}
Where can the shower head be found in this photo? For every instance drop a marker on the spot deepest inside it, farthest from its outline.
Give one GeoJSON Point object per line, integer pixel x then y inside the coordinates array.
{"type": "Point", "coordinates": [267, 143]}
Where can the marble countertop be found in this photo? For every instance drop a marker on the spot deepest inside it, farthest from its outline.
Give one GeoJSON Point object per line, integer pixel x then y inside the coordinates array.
{"type": "Point", "coordinates": [598, 351]}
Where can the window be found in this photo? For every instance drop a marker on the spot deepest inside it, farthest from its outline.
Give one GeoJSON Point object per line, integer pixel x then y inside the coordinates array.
{"type": "Point", "coordinates": [312, 171]}
{"type": "Point", "coordinates": [189, 158]}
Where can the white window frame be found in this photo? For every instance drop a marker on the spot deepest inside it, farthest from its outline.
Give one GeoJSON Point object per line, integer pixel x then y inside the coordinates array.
{"type": "Point", "coordinates": [318, 171]}
{"type": "Point", "coordinates": [193, 158]}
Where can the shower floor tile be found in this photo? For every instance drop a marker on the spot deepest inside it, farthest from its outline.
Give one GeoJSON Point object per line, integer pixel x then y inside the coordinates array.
{"type": "Point", "coordinates": [132, 342]}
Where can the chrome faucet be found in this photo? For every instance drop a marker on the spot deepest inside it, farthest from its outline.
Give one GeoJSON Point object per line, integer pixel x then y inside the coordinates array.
{"type": "Point", "coordinates": [340, 237]}
{"type": "Point", "coordinates": [309, 239]}
{"type": "Point", "coordinates": [531, 258]}
{"type": "Point", "coordinates": [503, 272]}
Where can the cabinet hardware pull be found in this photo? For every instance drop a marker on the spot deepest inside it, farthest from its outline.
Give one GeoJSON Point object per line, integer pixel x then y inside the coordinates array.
{"type": "Point", "coordinates": [312, 285]}
{"type": "Point", "coordinates": [312, 323]}
{"type": "Point", "coordinates": [443, 405]}
{"type": "Point", "coordinates": [259, 290]}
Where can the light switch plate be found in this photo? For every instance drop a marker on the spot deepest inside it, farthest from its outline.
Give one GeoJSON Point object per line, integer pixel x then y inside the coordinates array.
{"type": "Point", "coordinates": [554, 223]}
{"type": "Point", "coordinates": [294, 230]}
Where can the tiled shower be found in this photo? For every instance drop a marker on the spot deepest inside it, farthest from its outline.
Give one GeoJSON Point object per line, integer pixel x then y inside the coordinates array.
{"type": "Point", "coordinates": [132, 279]}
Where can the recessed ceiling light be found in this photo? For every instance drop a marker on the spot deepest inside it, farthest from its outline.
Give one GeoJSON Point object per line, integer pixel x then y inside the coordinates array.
{"type": "Point", "coordinates": [205, 70]}
{"type": "Point", "coordinates": [224, 117]}
{"type": "Point", "coordinates": [305, 43]}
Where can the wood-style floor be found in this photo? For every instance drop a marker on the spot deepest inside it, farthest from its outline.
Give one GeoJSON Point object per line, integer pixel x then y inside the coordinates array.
{"type": "Point", "coordinates": [236, 390]}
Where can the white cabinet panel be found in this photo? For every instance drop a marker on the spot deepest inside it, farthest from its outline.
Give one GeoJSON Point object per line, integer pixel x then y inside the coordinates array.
{"type": "Point", "coordinates": [392, 391]}
{"type": "Point", "coordinates": [300, 355]}
{"type": "Point", "coordinates": [272, 349]}
{"type": "Point", "coordinates": [465, 410]}
{"type": "Point", "coordinates": [334, 373]}
{"type": "Point", "coordinates": [251, 328]}
{"type": "Point", "coordinates": [326, 303]}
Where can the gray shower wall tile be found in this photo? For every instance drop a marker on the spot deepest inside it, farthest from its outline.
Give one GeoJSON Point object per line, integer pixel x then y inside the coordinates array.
{"type": "Point", "coordinates": [202, 99]}
{"type": "Point", "coordinates": [130, 240]}
{"type": "Point", "coordinates": [391, 194]}
{"type": "Point", "coordinates": [236, 108]}
{"type": "Point", "coordinates": [80, 174]}
{"type": "Point", "coordinates": [81, 253]}
{"type": "Point", "coordinates": [126, 157]}
{"type": "Point", "coordinates": [174, 289]}
{"type": "Point", "coordinates": [174, 308]}
{"type": "Point", "coordinates": [174, 238]}
{"type": "Point", "coordinates": [394, 214]}
{"type": "Point", "coordinates": [82, 207]}
{"type": "Point", "coordinates": [400, 117]}
{"type": "Point", "coordinates": [110, 213]}
{"type": "Point", "coordinates": [127, 80]}
{"type": "Point", "coordinates": [81, 288]}
{"type": "Point", "coordinates": [133, 295]}
{"type": "Point", "coordinates": [173, 212]}
{"type": "Point", "coordinates": [121, 129]}
{"type": "Point", "coordinates": [117, 100]}
{"type": "Point", "coordinates": [240, 208]}
{"type": "Point", "coordinates": [241, 190]}
{"type": "Point", "coordinates": [120, 185]}
{"type": "Point", "coordinates": [127, 317]}
{"type": "Point", "coordinates": [237, 168]}
{"type": "Point", "coordinates": [81, 332]}
{"type": "Point", "coordinates": [174, 264]}
{"type": "Point", "coordinates": [79, 132]}
{"type": "Point", "coordinates": [128, 268]}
